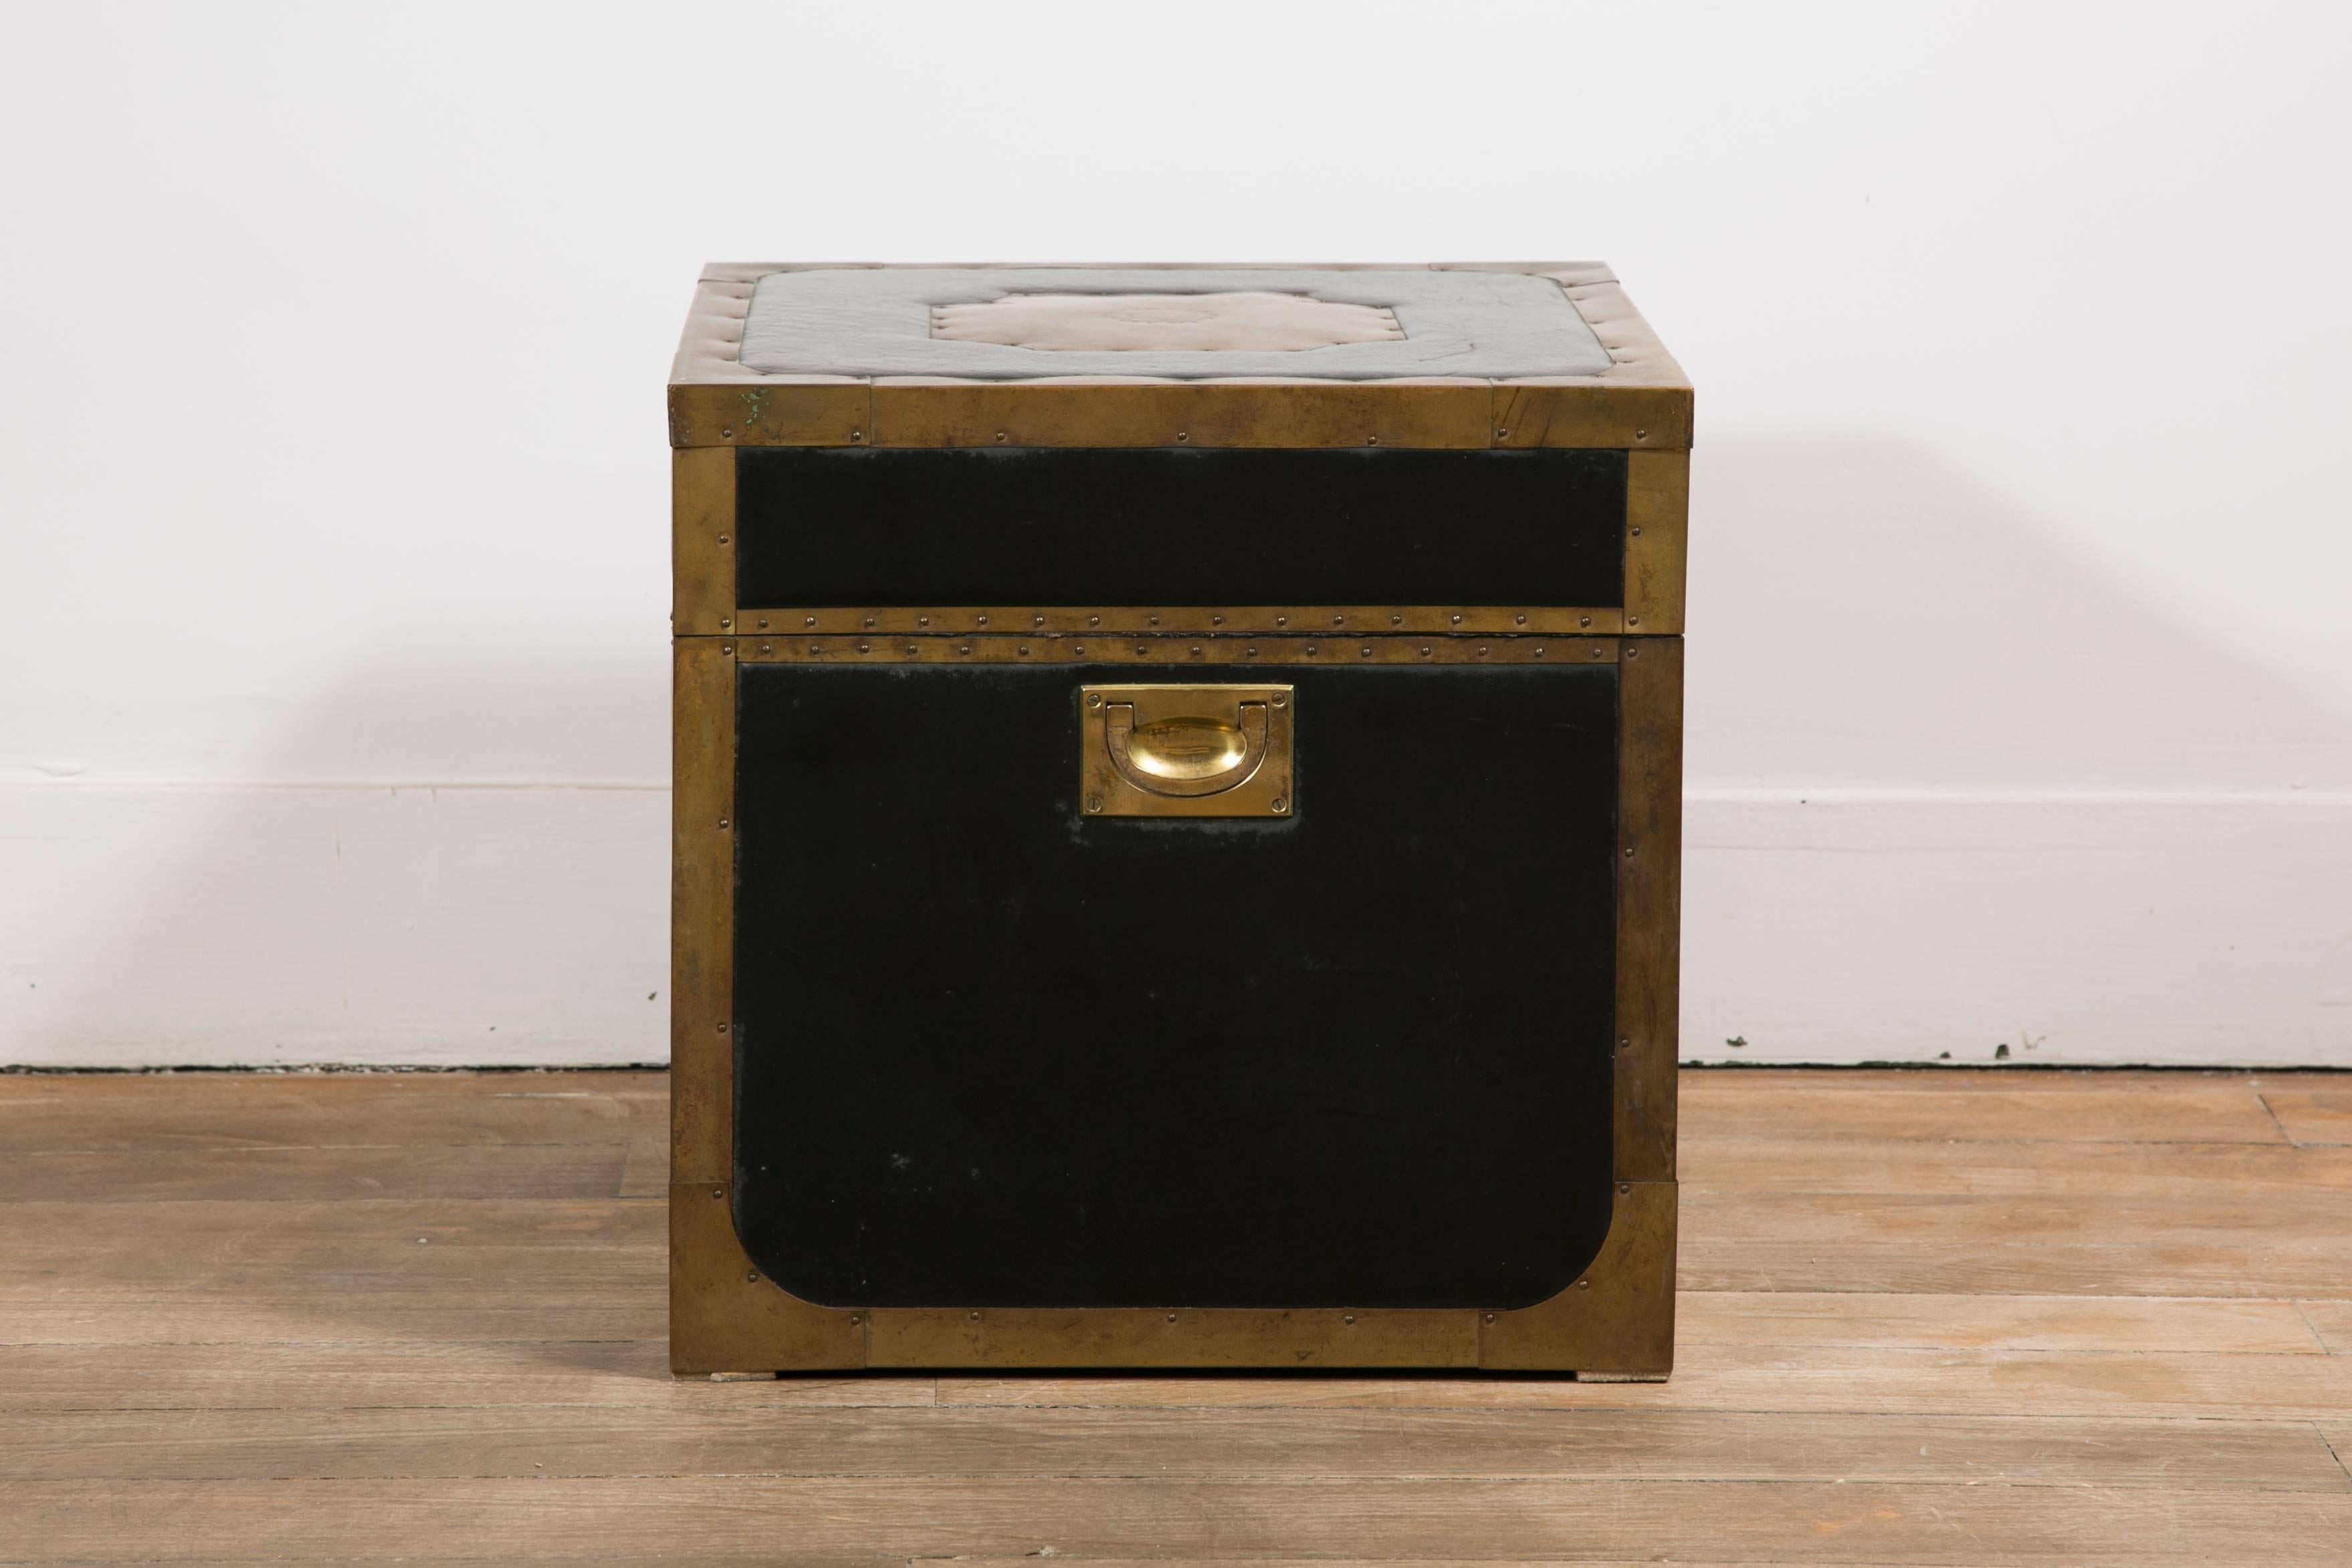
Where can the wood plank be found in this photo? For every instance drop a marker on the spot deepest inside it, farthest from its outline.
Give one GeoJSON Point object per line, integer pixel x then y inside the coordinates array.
{"type": "Point", "coordinates": [292, 1174]}
{"type": "Point", "coordinates": [1990, 1104]}
{"type": "Point", "coordinates": [1815, 1378]}
{"type": "Point", "coordinates": [2332, 1321]}
{"type": "Point", "coordinates": [328, 1376]}
{"type": "Point", "coordinates": [137, 1113]}
{"type": "Point", "coordinates": [2165, 1173]}
{"type": "Point", "coordinates": [693, 1516]}
{"type": "Point", "coordinates": [738, 1435]}
{"type": "Point", "coordinates": [537, 1248]}
{"type": "Point", "coordinates": [2124, 1324]}
{"type": "Point", "coordinates": [2295, 1244]}
{"type": "Point", "coordinates": [2312, 1109]}
{"type": "Point", "coordinates": [633, 1308]}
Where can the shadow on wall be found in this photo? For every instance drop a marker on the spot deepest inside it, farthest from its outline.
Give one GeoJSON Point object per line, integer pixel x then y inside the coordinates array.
{"type": "Point", "coordinates": [364, 911]}
{"type": "Point", "coordinates": [1862, 616]}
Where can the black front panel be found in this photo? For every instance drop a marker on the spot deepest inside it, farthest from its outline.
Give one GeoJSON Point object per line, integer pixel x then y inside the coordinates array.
{"type": "Point", "coordinates": [847, 527]}
{"type": "Point", "coordinates": [992, 1053]}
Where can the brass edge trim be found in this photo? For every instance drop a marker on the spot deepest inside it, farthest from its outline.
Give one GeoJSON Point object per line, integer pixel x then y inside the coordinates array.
{"type": "Point", "coordinates": [1208, 620]}
{"type": "Point", "coordinates": [702, 535]}
{"type": "Point", "coordinates": [1294, 1338]}
{"type": "Point", "coordinates": [723, 1316]}
{"type": "Point", "coordinates": [1657, 540]}
{"type": "Point", "coordinates": [1618, 1318]}
{"type": "Point", "coordinates": [1649, 901]}
{"type": "Point", "coordinates": [1127, 649]}
{"type": "Point", "coordinates": [931, 412]}
{"type": "Point", "coordinates": [776, 412]}
{"type": "Point", "coordinates": [726, 1316]}
{"type": "Point", "coordinates": [702, 913]}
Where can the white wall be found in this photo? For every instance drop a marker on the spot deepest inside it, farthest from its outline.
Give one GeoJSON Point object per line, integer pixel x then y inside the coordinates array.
{"type": "Point", "coordinates": [332, 667]}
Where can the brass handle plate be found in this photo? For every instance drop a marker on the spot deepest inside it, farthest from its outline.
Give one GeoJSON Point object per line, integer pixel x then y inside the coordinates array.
{"type": "Point", "coordinates": [1185, 751]}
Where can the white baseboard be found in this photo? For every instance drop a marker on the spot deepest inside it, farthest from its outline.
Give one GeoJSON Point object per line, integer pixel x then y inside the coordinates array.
{"type": "Point", "coordinates": [2071, 929]}
{"type": "Point", "coordinates": [165, 925]}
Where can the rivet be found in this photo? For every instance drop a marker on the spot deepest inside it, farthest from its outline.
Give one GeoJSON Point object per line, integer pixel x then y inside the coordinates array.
{"type": "Point", "coordinates": [1338, 620]}
{"type": "Point", "coordinates": [1598, 652]}
{"type": "Point", "coordinates": [1366, 650]}
{"type": "Point", "coordinates": [1000, 435]}
{"type": "Point", "coordinates": [1022, 650]}
{"type": "Point", "coordinates": [1500, 432]}
{"type": "Point", "coordinates": [1396, 620]}
{"type": "Point", "coordinates": [1081, 650]}
{"type": "Point", "coordinates": [814, 648]}
{"type": "Point", "coordinates": [1280, 805]}
{"type": "Point", "coordinates": [964, 648]}
{"type": "Point", "coordinates": [857, 435]}
{"type": "Point", "coordinates": [975, 1317]}
{"type": "Point", "coordinates": [722, 821]}
{"type": "Point", "coordinates": [1252, 651]}
{"type": "Point", "coordinates": [869, 623]}
{"type": "Point", "coordinates": [982, 619]}
{"type": "Point", "coordinates": [1637, 530]}
{"type": "Point", "coordinates": [1094, 699]}
{"type": "Point", "coordinates": [1282, 620]}
{"type": "Point", "coordinates": [1540, 650]}
{"type": "Point", "coordinates": [865, 647]}
{"type": "Point", "coordinates": [1519, 619]}
{"type": "Point", "coordinates": [1624, 1042]}
{"type": "Point", "coordinates": [1584, 1284]}
{"type": "Point", "coordinates": [1310, 649]}
{"type": "Point", "coordinates": [726, 647]}
{"type": "Point", "coordinates": [1172, 1317]}
{"type": "Point", "coordinates": [1153, 619]}
{"type": "Point", "coordinates": [1424, 650]}
{"type": "Point", "coordinates": [1624, 1187]}
{"type": "Point", "coordinates": [1094, 620]}
{"type": "Point", "coordinates": [1641, 435]}
{"type": "Point", "coordinates": [1184, 435]}
{"type": "Point", "coordinates": [1347, 1318]}
{"type": "Point", "coordinates": [912, 651]}
{"type": "Point", "coordinates": [725, 625]}
{"type": "Point", "coordinates": [1279, 699]}
{"type": "Point", "coordinates": [1584, 621]}
{"type": "Point", "coordinates": [1138, 650]}
{"type": "Point", "coordinates": [1633, 651]}
{"type": "Point", "coordinates": [1457, 621]}
{"type": "Point", "coordinates": [922, 620]}
{"type": "Point", "coordinates": [1632, 621]}
{"type": "Point", "coordinates": [1196, 650]}
{"type": "Point", "coordinates": [718, 1192]}
{"type": "Point", "coordinates": [752, 1278]}
{"type": "Point", "coordinates": [809, 622]}
{"type": "Point", "coordinates": [1488, 1316]}
{"type": "Point", "coordinates": [1094, 802]}
{"type": "Point", "coordinates": [726, 433]}
{"type": "Point", "coordinates": [1216, 620]}
{"type": "Point", "coordinates": [766, 649]}
{"type": "Point", "coordinates": [855, 1319]}
{"type": "Point", "coordinates": [1036, 620]}
{"type": "Point", "coordinates": [722, 1029]}
{"type": "Point", "coordinates": [1372, 441]}
{"type": "Point", "coordinates": [722, 538]}
{"type": "Point", "coordinates": [1482, 650]}
{"type": "Point", "coordinates": [763, 623]}
{"type": "Point", "coordinates": [1629, 851]}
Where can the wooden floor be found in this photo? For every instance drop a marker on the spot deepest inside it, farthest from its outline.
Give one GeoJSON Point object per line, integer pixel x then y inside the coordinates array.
{"type": "Point", "coordinates": [1929, 1318]}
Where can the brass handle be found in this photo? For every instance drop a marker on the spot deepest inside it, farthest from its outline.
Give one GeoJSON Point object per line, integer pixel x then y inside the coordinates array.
{"type": "Point", "coordinates": [1188, 755]}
